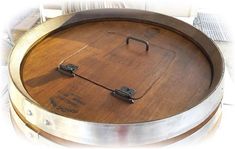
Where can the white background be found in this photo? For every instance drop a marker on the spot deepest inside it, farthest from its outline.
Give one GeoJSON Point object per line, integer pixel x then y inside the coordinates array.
{"type": "Point", "coordinates": [224, 136]}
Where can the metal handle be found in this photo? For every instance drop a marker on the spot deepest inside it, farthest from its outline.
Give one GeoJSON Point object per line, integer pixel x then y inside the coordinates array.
{"type": "Point", "coordinates": [140, 40]}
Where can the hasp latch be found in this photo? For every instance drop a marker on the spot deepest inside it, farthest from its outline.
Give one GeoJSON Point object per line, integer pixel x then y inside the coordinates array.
{"type": "Point", "coordinates": [125, 93]}
{"type": "Point", "coordinates": [67, 69]}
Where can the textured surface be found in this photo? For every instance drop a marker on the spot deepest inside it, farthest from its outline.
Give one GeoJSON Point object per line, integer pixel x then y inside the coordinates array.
{"type": "Point", "coordinates": [175, 90]}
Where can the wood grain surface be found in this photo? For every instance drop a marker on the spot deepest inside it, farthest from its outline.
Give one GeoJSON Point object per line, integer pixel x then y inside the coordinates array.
{"type": "Point", "coordinates": [170, 78]}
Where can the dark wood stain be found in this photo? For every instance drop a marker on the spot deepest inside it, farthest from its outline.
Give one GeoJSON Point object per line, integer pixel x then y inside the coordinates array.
{"type": "Point", "coordinates": [182, 71]}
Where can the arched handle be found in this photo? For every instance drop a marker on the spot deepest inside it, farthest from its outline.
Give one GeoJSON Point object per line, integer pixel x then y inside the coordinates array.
{"type": "Point", "coordinates": [137, 39]}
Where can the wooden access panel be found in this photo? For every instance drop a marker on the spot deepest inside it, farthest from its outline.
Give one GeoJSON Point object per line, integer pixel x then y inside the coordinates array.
{"type": "Point", "coordinates": [110, 62]}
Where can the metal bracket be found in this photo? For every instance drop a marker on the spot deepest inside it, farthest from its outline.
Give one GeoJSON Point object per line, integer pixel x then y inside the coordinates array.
{"type": "Point", "coordinates": [125, 94]}
{"type": "Point", "coordinates": [67, 69]}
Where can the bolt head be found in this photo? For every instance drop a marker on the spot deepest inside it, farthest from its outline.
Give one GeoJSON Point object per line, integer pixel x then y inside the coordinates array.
{"type": "Point", "coordinates": [46, 122]}
{"type": "Point", "coordinates": [29, 113]}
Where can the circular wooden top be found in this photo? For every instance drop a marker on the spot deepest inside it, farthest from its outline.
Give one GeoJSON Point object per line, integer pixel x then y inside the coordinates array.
{"type": "Point", "coordinates": [171, 77]}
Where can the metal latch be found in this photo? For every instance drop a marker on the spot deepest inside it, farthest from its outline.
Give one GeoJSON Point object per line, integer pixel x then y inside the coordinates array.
{"type": "Point", "coordinates": [125, 93]}
{"type": "Point", "coordinates": [67, 69]}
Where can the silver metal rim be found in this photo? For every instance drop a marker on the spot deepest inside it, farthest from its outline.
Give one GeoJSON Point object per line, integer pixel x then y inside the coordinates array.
{"type": "Point", "coordinates": [200, 134]}
{"type": "Point", "coordinates": [103, 133]}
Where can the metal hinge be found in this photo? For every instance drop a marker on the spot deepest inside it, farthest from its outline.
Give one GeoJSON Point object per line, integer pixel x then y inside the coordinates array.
{"type": "Point", "coordinates": [125, 93]}
{"type": "Point", "coordinates": [68, 69]}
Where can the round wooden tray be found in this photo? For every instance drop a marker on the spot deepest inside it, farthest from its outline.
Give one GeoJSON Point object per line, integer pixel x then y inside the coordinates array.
{"type": "Point", "coordinates": [138, 77]}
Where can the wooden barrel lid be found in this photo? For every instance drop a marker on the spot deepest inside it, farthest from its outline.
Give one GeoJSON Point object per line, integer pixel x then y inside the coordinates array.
{"type": "Point", "coordinates": [119, 67]}
{"type": "Point", "coordinates": [169, 78]}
